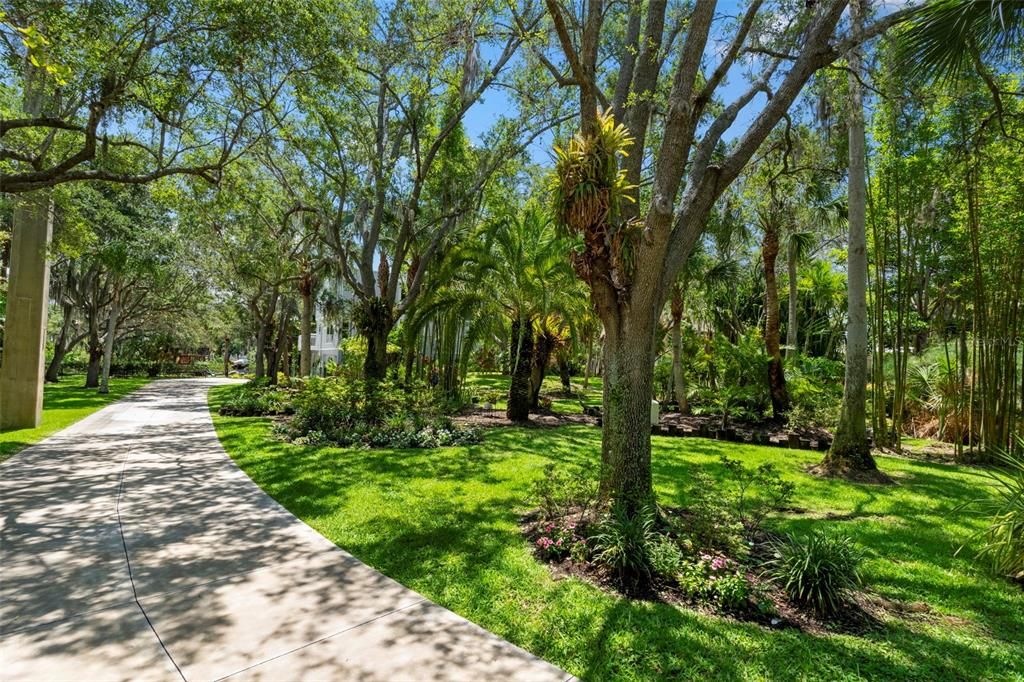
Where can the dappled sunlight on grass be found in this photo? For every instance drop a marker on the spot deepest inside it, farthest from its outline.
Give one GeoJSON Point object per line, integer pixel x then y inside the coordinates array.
{"type": "Point", "coordinates": [445, 523]}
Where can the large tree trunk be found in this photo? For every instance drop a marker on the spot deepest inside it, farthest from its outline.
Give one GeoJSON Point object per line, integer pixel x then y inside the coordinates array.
{"type": "Point", "coordinates": [851, 449]}
{"type": "Point", "coordinates": [108, 342]}
{"type": "Point", "coordinates": [92, 372]}
{"type": "Point", "coordinates": [375, 366]}
{"type": "Point", "coordinates": [261, 344]}
{"type": "Point", "coordinates": [62, 345]}
{"type": "Point", "coordinates": [374, 319]}
{"type": "Point", "coordinates": [520, 357]}
{"type": "Point", "coordinates": [792, 344]}
{"type": "Point", "coordinates": [626, 425]}
{"type": "Point", "coordinates": [776, 372]}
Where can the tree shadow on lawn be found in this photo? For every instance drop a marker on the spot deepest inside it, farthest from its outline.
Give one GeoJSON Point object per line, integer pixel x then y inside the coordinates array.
{"type": "Point", "coordinates": [445, 522]}
{"type": "Point", "coordinates": [671, 643]}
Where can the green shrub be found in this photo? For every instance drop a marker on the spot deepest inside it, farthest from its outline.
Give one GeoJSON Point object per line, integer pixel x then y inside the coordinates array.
{"type": "Point", "coordinates": [716, 579]}
{"type": "Point", "coordinates": [257, 398]}
{"type": "Point", "coordinates": [665, 557]}
{"type": "Point", "coordinates": [818, 569]}
{"type": "Point", "coordinates": [1002, 539]}
{"type": "Point", "coordinates": [560, 493]}
{"type": "Point", "coordinates": [754, 492]}
{"type": "Point", "coordinates": [349, 412]}
{"type": "Point", "coordinates": [711, 522]}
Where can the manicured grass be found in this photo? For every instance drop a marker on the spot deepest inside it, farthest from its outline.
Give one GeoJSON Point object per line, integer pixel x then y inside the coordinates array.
{"type": "Point", "coordinates": [444, 522]}
{"type": "Point", "coordinates": [491, 382]}
{"type": "Point", "coordinates": [64, 404]}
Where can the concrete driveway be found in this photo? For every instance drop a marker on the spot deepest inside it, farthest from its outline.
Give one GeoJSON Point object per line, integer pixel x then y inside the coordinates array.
{"type": "Point", "coordinates": [133, 548]}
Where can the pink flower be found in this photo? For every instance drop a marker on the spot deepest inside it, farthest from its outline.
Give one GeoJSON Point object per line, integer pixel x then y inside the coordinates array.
{"type": "Point", "coordinates": [718, 564]}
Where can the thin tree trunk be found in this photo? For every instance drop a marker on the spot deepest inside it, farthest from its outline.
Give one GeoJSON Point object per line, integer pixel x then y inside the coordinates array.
{"type": "Point", "coordinates": [227, 356]}
{"type": "Point", "coordinates": [306, 330]}
{"type": "Point", "coordinates": [678, 376]}
{"type": "Point", "coordinates": [586, 367]}
{"type": "Point", "coordinates": [108, 342]}
{"type": "Point", "coordinates": [851, 449]}
{"type": "Point", "coordinates": [792, 342]}
{"type": "Point", "coordinates": [564, 373]}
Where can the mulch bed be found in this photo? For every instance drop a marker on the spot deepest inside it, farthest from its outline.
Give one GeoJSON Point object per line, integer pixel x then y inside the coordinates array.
{"type": "Point", "coordinates": [494, 418]}
{"type": "Point", "coordinates": [864, 612]}
{"type": "Point", "coordinates": [671, 424]}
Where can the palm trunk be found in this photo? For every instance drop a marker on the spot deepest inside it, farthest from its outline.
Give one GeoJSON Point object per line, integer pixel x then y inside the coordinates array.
{"type": "Point", "coordinates": [520, 356]}
{"type": "Point", "coordinates": [108, 342]}
{"type": "Point", "coordinates": [28, 286]}
{"type": "Point", "coordinates": [776, 372]}
{"type": "Point", "coordinates": [851, 449]}
{"type": "Point", "coordinates": [539, 365]}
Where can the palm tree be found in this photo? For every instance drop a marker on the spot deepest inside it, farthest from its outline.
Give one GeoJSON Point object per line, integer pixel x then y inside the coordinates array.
{"type": "Point", "coordinates": [851, 447]}
{"type": "Point", "coordinates": [523, 266]}
{"type": "Point", "coordinates": [946, 37]}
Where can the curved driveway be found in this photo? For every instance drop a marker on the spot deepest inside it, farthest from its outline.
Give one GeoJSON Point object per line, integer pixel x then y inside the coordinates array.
{"type": "Point", "coordinates": [133, 548]}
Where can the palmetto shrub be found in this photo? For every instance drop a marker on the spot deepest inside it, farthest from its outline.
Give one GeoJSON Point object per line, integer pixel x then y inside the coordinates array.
{"type": "Point", "coordinates": [818, 569]}
{"type": "Point", "coordinates": [1001, 541]}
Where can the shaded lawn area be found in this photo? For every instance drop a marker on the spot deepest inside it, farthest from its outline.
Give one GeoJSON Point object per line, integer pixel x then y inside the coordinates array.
{"type": "Point", "coordinates": [64, 404]}
{"type": "Point", "coordinates": [444, 522]}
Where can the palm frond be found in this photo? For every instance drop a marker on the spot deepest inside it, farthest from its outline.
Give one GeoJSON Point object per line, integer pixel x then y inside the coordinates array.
{"type": "Point", "coordinates": [945, 36]}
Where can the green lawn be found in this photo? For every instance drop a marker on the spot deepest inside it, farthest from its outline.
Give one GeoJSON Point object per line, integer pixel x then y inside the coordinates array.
{"type": "Point", "coordinates": [64, 404]}
{"type": "Point", "coordinates": [444, 522]}
{"type": "Point", "coordinates": [491, 382]}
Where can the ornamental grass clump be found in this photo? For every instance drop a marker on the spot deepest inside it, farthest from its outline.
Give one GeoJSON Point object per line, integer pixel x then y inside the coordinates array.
{"type": "Point", "coordinates": [819, 570]}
